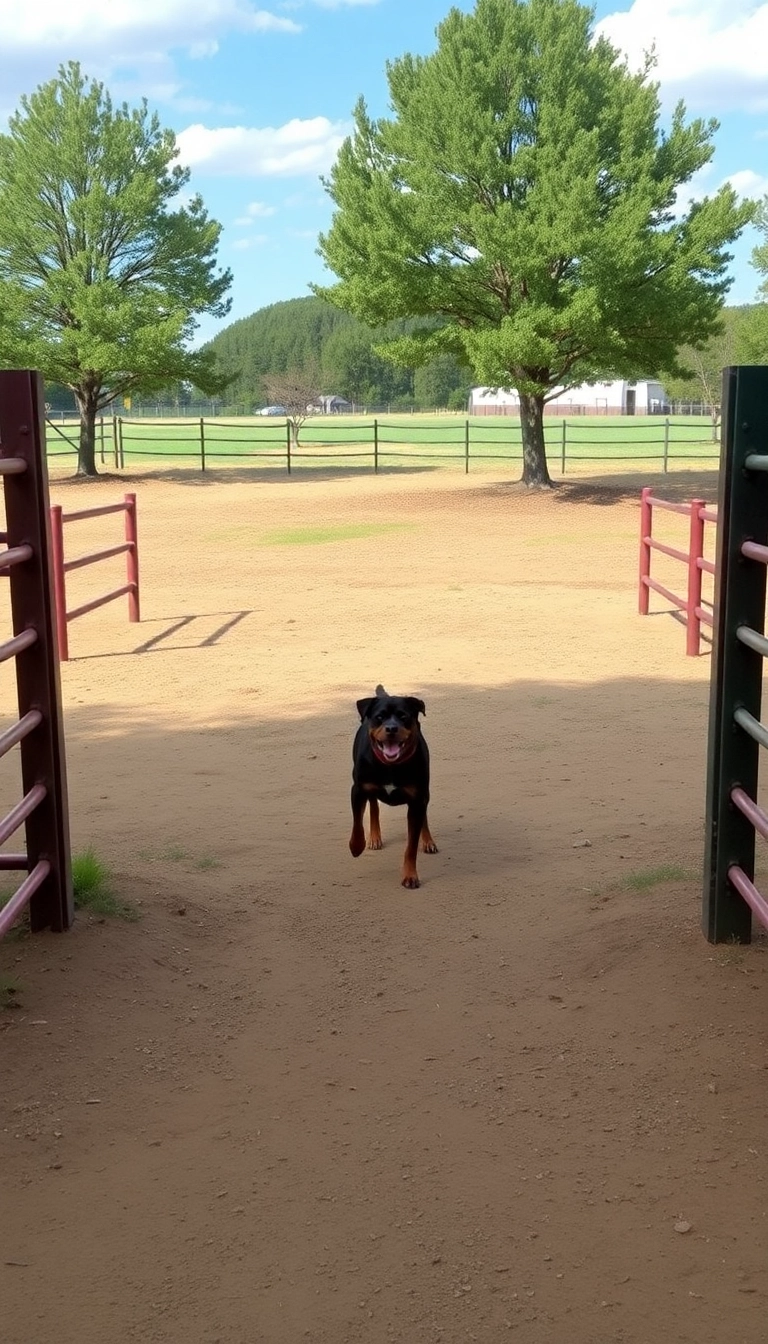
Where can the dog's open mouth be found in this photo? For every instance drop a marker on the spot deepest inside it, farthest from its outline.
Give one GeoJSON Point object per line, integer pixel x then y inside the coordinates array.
{"type": "Point", "coordinates": [390, 752]}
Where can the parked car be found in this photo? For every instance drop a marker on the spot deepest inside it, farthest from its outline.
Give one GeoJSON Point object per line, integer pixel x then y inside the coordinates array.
{"type": "Point", "coordinates": [272, 410]}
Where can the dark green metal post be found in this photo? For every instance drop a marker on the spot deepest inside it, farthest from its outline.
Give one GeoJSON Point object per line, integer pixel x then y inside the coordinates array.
{"type": "Point", "coordinates": [737, 670]}
{"type": "Point", "coordinates": [376, 446]}
{"type": "Point", "coordinates": [466, 447]}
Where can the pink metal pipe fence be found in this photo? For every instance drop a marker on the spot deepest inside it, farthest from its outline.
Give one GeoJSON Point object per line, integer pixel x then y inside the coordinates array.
{"type": "Point", "coordinates": [696, 614]}
{"type": "Point", "coordinates": [62, 567]}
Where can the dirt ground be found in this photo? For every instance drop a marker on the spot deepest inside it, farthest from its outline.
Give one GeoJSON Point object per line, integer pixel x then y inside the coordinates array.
{"type": "Point", "coordinates": [295, 1102]}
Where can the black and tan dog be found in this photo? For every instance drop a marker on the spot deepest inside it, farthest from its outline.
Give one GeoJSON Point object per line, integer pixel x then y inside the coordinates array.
{"type": "Point", "coordinates": [391, 765]}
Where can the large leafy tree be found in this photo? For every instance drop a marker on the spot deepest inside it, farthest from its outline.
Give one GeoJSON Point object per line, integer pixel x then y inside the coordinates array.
{"type": "Point", "coordinates": [753, 346]}
{"type": "Point", "coordinates": [524, 193]}
{"type": "Point", "coordinates": [102, 270]}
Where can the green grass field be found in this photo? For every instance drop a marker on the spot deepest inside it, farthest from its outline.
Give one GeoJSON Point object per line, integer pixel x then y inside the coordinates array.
{"type": "Point", "coordinates": [395, 441]}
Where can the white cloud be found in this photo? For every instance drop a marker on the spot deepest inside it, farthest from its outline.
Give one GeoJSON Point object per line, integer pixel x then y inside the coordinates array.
{"type": "Point", "coordinates": [745, 182]}
{"type": "Point", "coordinates": [256, 210]}
{"type": "Point", "coordinates": [295, 149]}
{"type": "Point", "coordinates": [140, 36]}
{"type": "Point", "coordinates": [253, 240]}
{"type": "Point", "coordinates": [146, 23]}
{"type": "Point", "coordinates": [326, 4]}
{"type": "Point", "coordinates": [707, 50]}
{"type": "Point", "coordinates": [749, 183]}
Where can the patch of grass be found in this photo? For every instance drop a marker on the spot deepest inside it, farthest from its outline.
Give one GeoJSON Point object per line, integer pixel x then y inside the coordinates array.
{"type": "Point", "coordinates": [90, 880]}
{"type": "Point", "coordinates": [170, 854]}
{"type": "Point", "coordinates": [651, 877]}
{"type": "Point", "coordinates": [9, 992]}
{"type": "Point", "coordinates": [315, 536]}
{"type": "Point", "coordinates": [175, 854]}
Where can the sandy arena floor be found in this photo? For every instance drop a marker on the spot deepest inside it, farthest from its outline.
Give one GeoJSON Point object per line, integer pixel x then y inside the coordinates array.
{"type": "Point", "coordinates": [295, 1102]}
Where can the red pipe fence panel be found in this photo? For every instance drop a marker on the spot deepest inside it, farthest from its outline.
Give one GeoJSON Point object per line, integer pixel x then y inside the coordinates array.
{"type": "Point", "coordinates": [43, 810]}
{"type": "Point", "coordinates": [62, 566]}
{"type": "Point", "coordinates": [693, 558]}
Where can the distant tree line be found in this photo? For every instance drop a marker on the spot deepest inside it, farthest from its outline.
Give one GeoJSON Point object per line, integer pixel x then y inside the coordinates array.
{"type": "Point", "coordinates": [312, 336]}
{"type": "Point", "coordinates": [309, 333]}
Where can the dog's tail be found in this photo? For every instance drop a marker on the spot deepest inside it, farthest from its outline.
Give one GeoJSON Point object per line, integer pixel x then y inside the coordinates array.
{"type": "Point", "coordinates": [381, 694]}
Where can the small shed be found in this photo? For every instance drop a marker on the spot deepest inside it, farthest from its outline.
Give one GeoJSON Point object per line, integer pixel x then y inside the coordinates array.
{"type": "Point", "coordinates": [335, 406]}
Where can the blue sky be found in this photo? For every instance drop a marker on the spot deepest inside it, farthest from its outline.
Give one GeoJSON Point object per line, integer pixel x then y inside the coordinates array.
{"type": "Point", "coordinates": [260, 94]}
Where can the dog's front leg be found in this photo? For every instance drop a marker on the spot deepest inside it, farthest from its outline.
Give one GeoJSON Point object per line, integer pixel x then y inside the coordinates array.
{"type": "Point", "coordinates": [357, 838]}
{"type": "Point", "coordinates": [374, 838]}
{"type": "Point", "coordinates": [416, 816]}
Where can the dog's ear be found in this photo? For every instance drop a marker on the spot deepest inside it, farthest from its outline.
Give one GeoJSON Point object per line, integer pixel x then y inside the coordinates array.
{"type": "Point", "coordinates": [364, 706]}
{"type": "Point", "coordinates": [415, 706]}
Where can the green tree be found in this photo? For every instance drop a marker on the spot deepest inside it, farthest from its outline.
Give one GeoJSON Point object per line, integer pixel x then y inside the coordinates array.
{"type": "Point", "coordinates": [433, 383]}
{"type": "Point", "coordinates": [753, 343]}
{"type": "Point", "coordinates": [523, 192]}
{"type": "Point", "coordinates": [350, 365]}
{"type": "Point", "coordinates": [102, 271]}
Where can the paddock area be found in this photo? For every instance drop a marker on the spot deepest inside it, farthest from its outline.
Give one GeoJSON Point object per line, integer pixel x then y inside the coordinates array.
{"type": "Point", "coordinates": [295, 1102]}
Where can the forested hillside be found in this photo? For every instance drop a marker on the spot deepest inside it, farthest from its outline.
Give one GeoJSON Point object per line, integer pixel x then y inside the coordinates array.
{"type": "Point", "coordinates": [301, 333]}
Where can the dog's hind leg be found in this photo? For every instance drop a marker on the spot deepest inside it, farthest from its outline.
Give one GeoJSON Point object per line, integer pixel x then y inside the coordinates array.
{"type": "Point", "coordinates": [374, 838]}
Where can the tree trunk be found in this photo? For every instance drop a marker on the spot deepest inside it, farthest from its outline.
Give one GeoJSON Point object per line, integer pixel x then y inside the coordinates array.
{"type": "Point", "coordinates": [535, 473]}
{"type": "Point", "coordinates": [86, 455]}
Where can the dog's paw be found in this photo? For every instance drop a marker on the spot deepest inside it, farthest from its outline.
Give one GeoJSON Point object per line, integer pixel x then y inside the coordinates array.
{"type": "Point", "coordinates": [429, 847]}
{"type": "Point", "coordinates": [356, 845]}
{"type": "Point", "coordinates": [411, 881]}
{"type": "Point", "coordinates": [375, 842]}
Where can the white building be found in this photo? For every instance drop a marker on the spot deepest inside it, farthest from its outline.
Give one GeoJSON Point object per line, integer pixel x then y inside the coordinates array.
{"type": "Point", "coordinates": [643, 397]}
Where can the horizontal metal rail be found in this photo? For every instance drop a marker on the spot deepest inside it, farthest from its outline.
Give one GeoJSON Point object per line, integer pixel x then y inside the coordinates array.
{"type": "Point", "coordinates": [16, 555]}
{"type": "Point", "coordinates": [738, 879]}
{"type": "Point", "coordinates": [18, 644]}
{"type": "Point", "coordinates": [665, 592]}
{"type": "Point", "coordinates": [751, 810]}
{"type": "Point", "coordinates": [708, 515]}
{"type": "Point", "coordinates": [100, 601]}
{"type": "Point", "coordinates": [752, 639]}
{"type": "Point", "coordinates": [706, 565]}
{"type": "Point", "coordinates": [14, 863]}
{"type": "Point", "coordinates": [12, 736]}
{"type": "Point", "coordinates": [91, 559]}
{"type": "Point", "coordinates": [704, 615]}
{"type": "Point", "coordinates": [667, 504]}
{"type": "Point", "coordinates": [13, 819]}
{"type": "Point", "coordinates": [93, 513]}
{"type": "Point", "coordinates": [752, 726]}
{"type": "Point", "coordinates": [667, 550]}
{"type": "Point", "coordinates": [11, 911]}
{"type": "Point", "coordinates": [752, 551]}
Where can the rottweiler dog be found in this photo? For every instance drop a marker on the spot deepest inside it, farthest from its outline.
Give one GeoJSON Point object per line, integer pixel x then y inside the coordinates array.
{"type": "Point", "coordinates": [391, 765]}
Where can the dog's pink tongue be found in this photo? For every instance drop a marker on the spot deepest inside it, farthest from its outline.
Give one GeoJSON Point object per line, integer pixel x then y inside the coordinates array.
{"type": "Point", "coordinates": [391, 751]}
